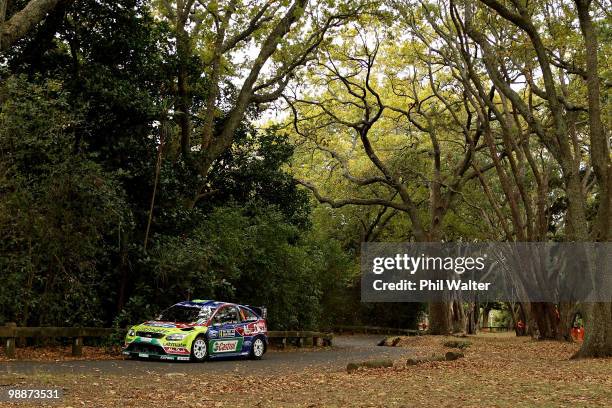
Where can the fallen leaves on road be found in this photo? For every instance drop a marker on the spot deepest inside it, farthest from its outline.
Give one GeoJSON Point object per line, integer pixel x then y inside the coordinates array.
{"type": "Point", "coordinates": [63, 353]}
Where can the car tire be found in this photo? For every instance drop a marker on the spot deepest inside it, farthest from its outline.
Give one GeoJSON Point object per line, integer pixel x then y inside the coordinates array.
{"type": "Point", "coordinates": [199, 349]}
{"type": "Point", "coordinates": [258, 348]}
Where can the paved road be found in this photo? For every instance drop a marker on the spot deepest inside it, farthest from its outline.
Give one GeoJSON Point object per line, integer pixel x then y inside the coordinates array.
{"type": "Point", "coordinates": [345, 350]}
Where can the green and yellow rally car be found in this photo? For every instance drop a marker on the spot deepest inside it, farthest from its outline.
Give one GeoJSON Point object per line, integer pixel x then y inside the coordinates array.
{"type": "Point", "coordinates": [200, 329]}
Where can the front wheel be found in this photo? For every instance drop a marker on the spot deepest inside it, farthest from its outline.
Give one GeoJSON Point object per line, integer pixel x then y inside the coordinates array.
{"type": "Point", "coordinates": [199, 350]}
{"type": "Point", "coordinates": [258, 349]}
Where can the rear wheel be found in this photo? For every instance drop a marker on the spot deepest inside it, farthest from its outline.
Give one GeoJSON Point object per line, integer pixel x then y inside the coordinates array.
{"type": "Point", "coordinates": [199, 350]}
{"type": "Point", "coordinates": [258, 349]}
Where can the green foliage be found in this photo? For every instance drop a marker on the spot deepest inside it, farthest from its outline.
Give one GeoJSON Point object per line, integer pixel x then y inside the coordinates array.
{"type": "Point", "coordinates": [250, 255]}
{"type": "Point", "coordinates": [59, 211]}
{"type": "Point", "coordinates": [502, 318]}
{"type": "Point", "coordinates": [462, 345]}
{"type": "Point", "coordinates": [252, 171]}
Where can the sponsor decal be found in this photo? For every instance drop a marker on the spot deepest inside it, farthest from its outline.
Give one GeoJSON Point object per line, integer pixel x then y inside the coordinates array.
{"type": "Point", "coordinates": [225, 346]}
{"type": "Point", "coordinates": [176, 350]}
{"type": "Point", "coordinates": [171, 344]}
{"type": "Point", "coordinates": [227, 333]}
{"type": "Point", "coordinates": [252, 328]}
{"type": "Point", "coordinates": [213, 333]}
{"type": "Point", "coordinates": [146, 340]}
{"type": "Point", "coordinates": [152, 329]}
{"type": "Point", "coordinates": [161, 324]}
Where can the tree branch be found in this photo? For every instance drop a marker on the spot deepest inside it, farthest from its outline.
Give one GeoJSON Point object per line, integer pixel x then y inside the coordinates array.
{"type": "Point", "coordinates": [350, 201]}
{"type": "Point", "coordinates": [23, 21]}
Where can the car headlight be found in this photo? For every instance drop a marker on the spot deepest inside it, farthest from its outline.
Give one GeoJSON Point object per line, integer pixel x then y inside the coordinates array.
{"type": "Point", "coordinates": [176, 337]}
{"type": "Point", "coordinates": [131, 333]}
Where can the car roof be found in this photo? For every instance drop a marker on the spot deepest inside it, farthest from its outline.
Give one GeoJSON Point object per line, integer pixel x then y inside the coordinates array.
{"type": "Point", "coordinates": [204, 303]}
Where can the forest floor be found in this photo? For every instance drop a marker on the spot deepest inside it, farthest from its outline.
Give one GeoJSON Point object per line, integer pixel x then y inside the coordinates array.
{"type": "Point", "coordinates": [498, 370]}
{"type": "Point", "coordinates": [63, 353]}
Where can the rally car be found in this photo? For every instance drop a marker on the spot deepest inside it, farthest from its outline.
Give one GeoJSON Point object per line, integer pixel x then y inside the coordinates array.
{"type": "Point", "coordinates": [200, 329]}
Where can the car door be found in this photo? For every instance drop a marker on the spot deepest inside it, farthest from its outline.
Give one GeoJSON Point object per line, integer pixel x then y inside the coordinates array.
{"type": "Point", "coordinates": [224, 339]}
{"type": "Point", "coordinates": [248, 328]}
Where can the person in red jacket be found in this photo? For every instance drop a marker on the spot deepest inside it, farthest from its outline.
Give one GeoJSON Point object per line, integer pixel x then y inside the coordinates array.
{"type": "Point", "coordinates": [520, 328]}
{"type": "Point", "coordinates": [577, 332]}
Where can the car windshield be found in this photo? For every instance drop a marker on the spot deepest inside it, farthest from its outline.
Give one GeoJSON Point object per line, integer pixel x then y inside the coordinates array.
{"type": "Point", "coordinates": [186, 314]}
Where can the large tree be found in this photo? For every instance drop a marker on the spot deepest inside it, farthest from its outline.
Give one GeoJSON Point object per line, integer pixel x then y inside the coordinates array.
{"type": "Point", "coordinates": [556, 133]}
{"type": "Point", "coordinates": [247, 52]}
{"type": "Point", "coordinates": [403, 138]}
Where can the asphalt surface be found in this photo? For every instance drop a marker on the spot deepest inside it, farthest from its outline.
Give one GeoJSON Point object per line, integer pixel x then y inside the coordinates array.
{"type": "Point", "coordinates": [346, 349]}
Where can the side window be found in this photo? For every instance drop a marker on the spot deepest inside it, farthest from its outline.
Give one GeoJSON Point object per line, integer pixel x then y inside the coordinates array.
{"type": "Point", "coordinates": [232, 315]}
{"type": "Point", "coordinates": [228, 314]}
{"type": "Point", "coordinates": [220, 316]}
{"type": "Point", "coordinates": [249, 316]}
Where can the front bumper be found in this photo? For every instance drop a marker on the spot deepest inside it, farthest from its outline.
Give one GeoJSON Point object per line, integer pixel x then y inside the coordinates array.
{"type": "Point", "coordinates": [152, 351]}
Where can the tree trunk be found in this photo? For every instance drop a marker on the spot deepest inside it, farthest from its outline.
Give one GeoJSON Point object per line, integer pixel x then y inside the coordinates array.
{"type": "Point", "coordinates": [439, 318]}
{"type": "Point", "coordinates": [524, 314]}
{"type": "Point", "coordinates": [567, 311]}
{"type": "Point", "coordinates": [458, 317]}
{"type": "Point", "coordinates": [472, 318]}
{"type": "Point", "coordinates": [600, 151]}
{"type": "Point", "coordinates": [598, 330]}
{"type": "Point", "coordinates": [598, 316]}
{"type": "Point", "coordinates": [124, 268]}
{"type": "Point", "coordinates": [183, 102]}
{"type": "Point", "coordinates": [486, 313]}
{"type": "Point", "coordinates": [531, 325]}
{"type": "Point", "coordinates": [547, 320]}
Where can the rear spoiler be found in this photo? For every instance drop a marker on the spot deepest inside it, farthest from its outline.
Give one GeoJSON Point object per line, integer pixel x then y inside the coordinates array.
{"type": "Point", "coordinates": [260, 310]}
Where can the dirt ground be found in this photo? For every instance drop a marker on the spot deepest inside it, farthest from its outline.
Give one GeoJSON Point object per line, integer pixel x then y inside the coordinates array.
{"type": "Point", "coordinates": [498, 370]}
{"type": "Point", "coordinates": [63, 353]}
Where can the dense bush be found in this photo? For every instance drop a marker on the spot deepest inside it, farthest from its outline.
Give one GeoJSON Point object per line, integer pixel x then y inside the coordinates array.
{"type": "Point", "coordinates": [62, 219]}
{"type": "Point", "coordinates": [59, 211]}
